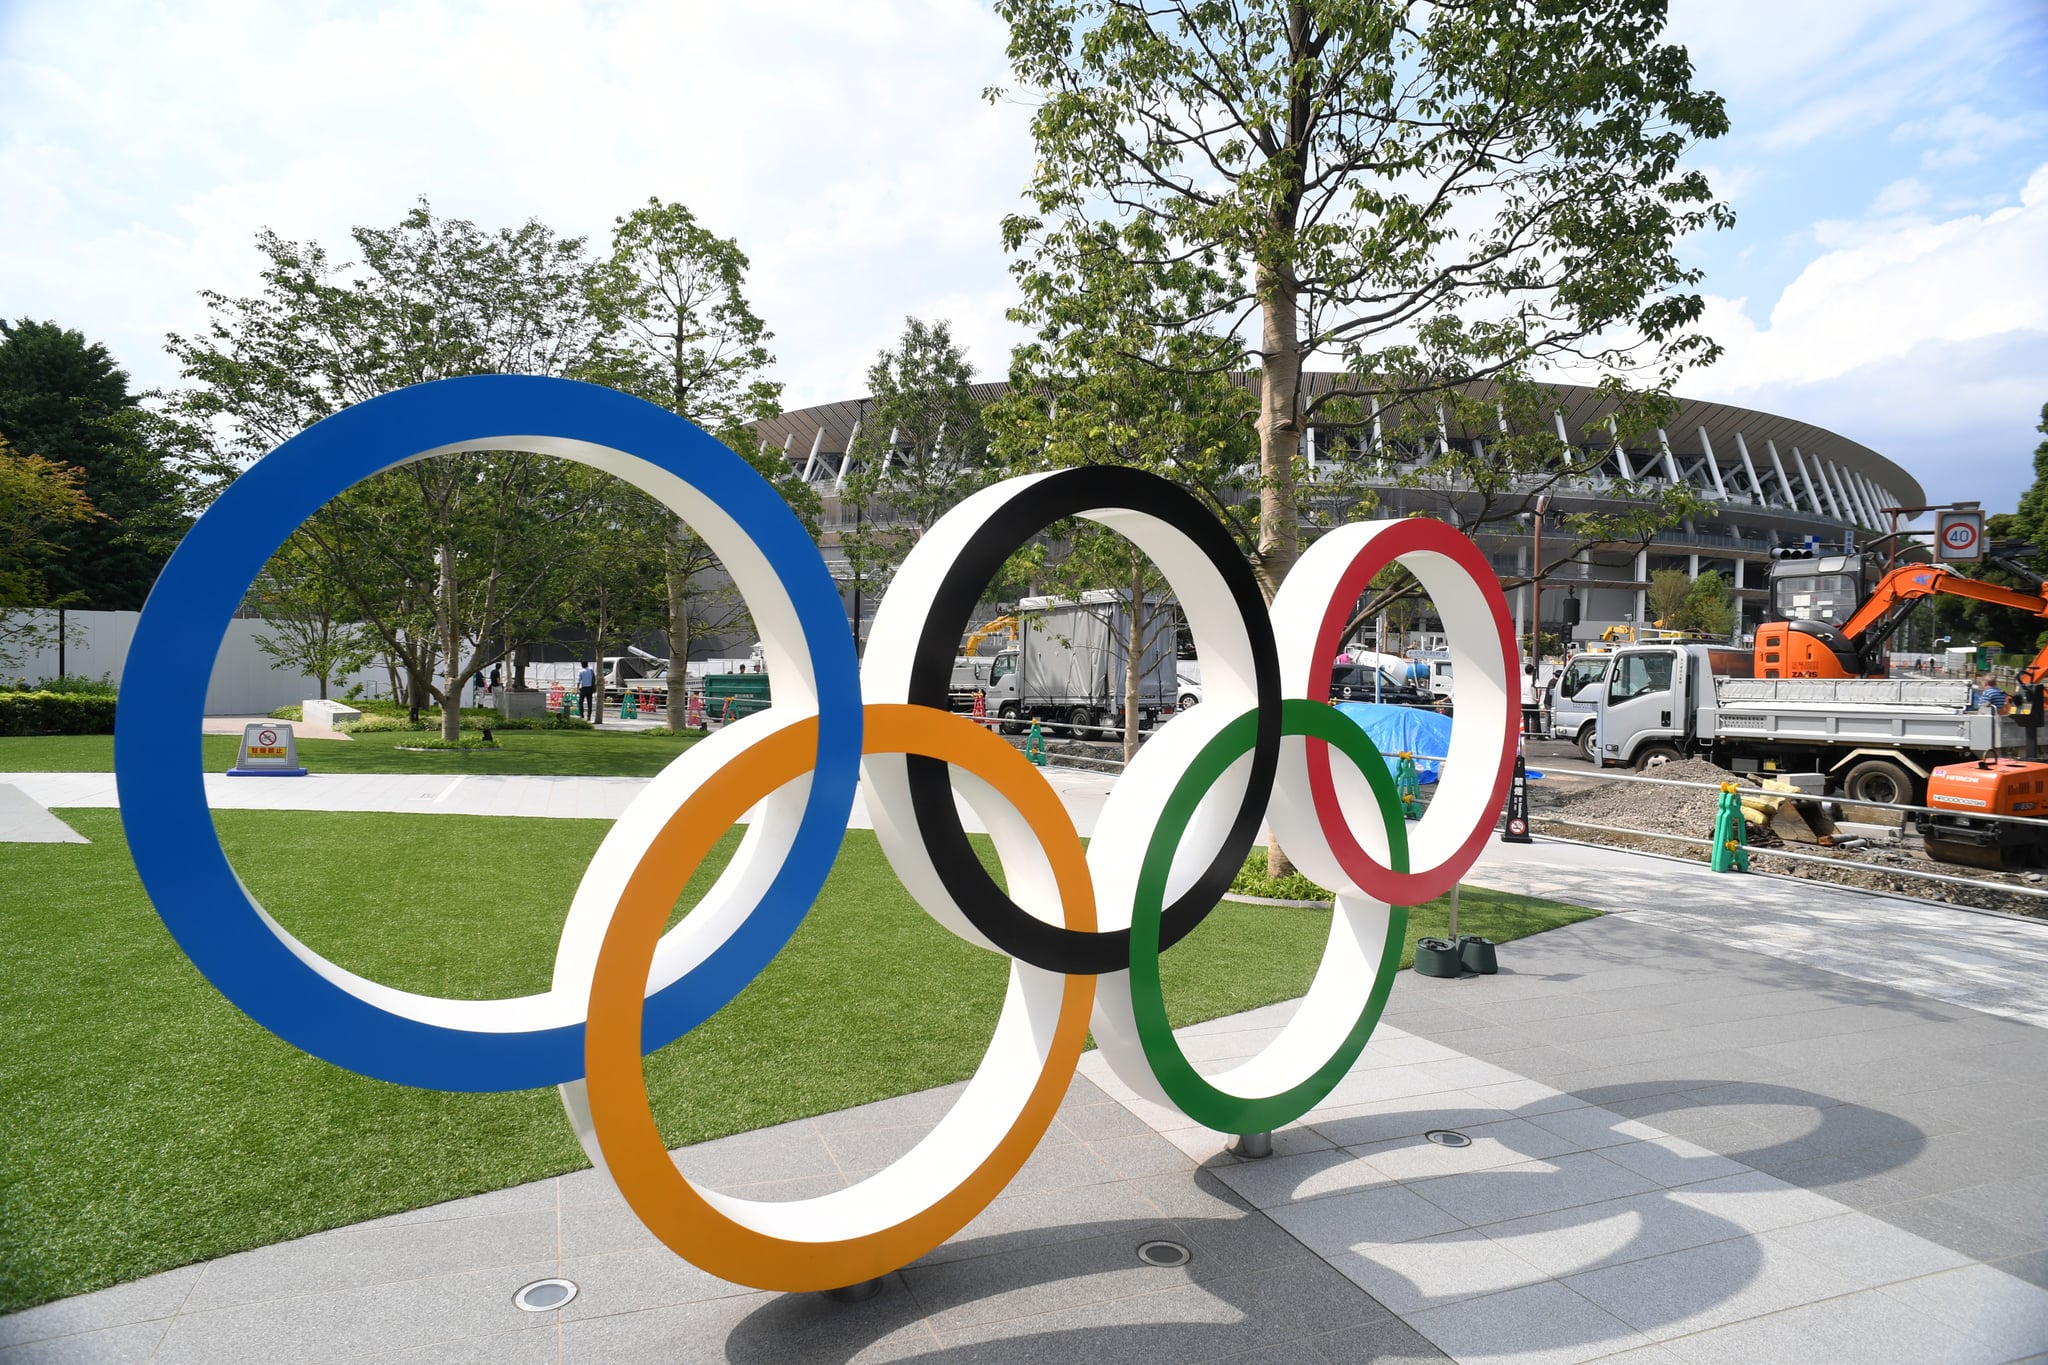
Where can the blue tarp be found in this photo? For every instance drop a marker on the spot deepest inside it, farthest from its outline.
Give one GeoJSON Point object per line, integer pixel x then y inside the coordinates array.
{"type": "Point", "coordinates": [1398, 729]}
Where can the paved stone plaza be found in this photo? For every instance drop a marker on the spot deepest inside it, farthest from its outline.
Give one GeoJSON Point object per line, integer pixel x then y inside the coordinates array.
{"type": "Point", "coordinates": [1738, 1119]}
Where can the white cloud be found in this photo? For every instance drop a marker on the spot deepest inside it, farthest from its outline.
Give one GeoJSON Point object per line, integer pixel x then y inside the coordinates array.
{"type": "Point", "coordinates": [847, 148]}
{"type": "Point", "coordinates": [1901, 196]}
{"type": "Point", "coordinates": [1886, 287]}
{"type": "Point", "coordinates": [1962, 136]}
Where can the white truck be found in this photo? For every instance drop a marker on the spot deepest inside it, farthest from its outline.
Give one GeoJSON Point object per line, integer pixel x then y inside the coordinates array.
{"type": "Point", "coordinates": [1067, 668]}
{"type": "Point", "coordinates": [1874, 739]}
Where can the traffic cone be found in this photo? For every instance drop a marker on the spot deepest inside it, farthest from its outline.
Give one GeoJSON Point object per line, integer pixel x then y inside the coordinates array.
{"type": "Point", "coordinates": [1731, 832]}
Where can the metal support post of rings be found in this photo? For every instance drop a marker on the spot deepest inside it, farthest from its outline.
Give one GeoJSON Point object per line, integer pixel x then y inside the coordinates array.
{"type": "Point", "coordinates": [1084, 930]}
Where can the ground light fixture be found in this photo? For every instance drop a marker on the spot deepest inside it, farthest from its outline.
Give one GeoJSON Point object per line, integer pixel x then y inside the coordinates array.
{"type": "Point", "coordinates": [544, 1296]}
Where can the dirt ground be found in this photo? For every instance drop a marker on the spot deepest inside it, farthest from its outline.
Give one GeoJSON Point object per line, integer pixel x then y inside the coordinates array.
{"type": "Point", "coordinates": [1560, 803]}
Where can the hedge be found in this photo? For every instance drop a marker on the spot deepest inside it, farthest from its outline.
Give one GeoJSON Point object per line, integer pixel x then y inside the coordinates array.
{"type": "Point", "coordinates": [55, 713]}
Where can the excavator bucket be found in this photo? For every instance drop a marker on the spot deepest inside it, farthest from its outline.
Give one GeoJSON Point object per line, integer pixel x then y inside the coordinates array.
{"type": "Point", "coordinates": [1987, 856]}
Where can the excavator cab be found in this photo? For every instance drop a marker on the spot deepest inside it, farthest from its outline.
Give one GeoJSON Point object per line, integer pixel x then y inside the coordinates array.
{"type": "Point", "coordinates": [1812, 596]}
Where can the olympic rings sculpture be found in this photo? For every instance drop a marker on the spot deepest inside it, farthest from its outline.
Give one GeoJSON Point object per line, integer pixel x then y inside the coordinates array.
{"type": "Point", "coordinates": [1084, 927]}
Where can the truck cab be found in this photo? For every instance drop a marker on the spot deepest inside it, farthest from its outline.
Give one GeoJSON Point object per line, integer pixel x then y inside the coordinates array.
{"type": "Point", "coordinates": [1573, 701]}
{"type": "Point", "coordinates": [1645, 714]}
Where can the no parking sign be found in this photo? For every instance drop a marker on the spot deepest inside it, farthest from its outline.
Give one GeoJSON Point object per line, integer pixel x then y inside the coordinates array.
{"type": "Point", "coordinates": [1959, 535]}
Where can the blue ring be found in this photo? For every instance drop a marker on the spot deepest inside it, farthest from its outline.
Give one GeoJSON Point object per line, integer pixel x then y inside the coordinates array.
{"type": "Point", "coordinates": [158, 756]}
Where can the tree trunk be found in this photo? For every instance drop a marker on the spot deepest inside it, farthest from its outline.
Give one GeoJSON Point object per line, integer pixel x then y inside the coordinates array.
{"type": "Point", "coordinates": [1132, 645]}
{"type": "Point", "coordinates": [451, 650]}
{"type": "Point", "coordinates": [678, 647]}
{"type": "Point", "coordinates": [1279, 443]}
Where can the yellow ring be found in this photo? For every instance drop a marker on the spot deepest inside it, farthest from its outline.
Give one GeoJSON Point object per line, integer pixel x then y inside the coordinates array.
{"type": "Point", "coordinates": [701, 1229]}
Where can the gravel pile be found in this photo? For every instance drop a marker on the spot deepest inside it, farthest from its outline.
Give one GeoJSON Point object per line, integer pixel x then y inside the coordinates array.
{"type": "Point", "coordinates": [1688, 811]}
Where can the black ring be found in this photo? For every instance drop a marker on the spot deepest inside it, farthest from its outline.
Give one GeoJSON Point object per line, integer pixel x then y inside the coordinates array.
{"type": "Point", "coordinates": [1072, 493]}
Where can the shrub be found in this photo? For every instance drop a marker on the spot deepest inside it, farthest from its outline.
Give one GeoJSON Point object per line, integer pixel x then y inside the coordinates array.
{"type": "Point", "coordinates": [371, 723]}
{"type": "Point", "coordinates": [288, 713]}
{"type": "Point", "coordinates": [436, 742]}
{"type": "Point", "coordinates": [1252, 881]}
{"type": "Point", "coordinates": [102, 686]}
{"type": "Point", "coordinates": [56, 713]}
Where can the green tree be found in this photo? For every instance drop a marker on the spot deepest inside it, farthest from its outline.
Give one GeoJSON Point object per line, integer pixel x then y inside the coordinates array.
{"type": "Point", "coordinates": [1709, 607]}
{"type": "Point", "coordinates": [2030, 522]}
{"type": "Point", "coordinates": [1670, 589]}
{"type": "Point", "coordinates": [305, 615]}
{"type": "Point", "coordinates": [40, 500]}
{"type": "Point", "coordinates": [1438, 193]}
{"type": "Point", "coordinates": [921, 448]}
{"type": "Point", "coordinates": [1116, 397]}
{"type": "Point", "coordinates": [443, 559]}
{"type": "Point", "coordinates": [64, 398]}
{"type": "Point", "coordinates": [680, 333]}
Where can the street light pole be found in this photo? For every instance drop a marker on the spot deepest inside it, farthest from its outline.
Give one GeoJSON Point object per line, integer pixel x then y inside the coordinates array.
{"type": "Point", "coordinates": [1536, 582]}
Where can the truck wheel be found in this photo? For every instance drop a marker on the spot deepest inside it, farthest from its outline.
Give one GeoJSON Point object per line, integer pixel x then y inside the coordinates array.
{"type": "Point", "coordinates": [1589, 743]}
{"type": "Point", "coordinates": [1006, 719]}
{"type": "Point", "coordinates": [1079, 721]}
{"type": "Point", "coordinates": [1879, 780]}
{"type": "Point", "coordinates": [1655, 756]}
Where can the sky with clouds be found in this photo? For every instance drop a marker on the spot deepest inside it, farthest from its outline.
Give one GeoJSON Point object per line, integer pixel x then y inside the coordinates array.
{"type": "Point", "coordinates": [1887, 278]}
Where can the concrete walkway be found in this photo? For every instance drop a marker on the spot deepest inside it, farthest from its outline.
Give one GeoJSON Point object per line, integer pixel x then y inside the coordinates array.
{"type": "Point", "coordinates": [1678, 1153]}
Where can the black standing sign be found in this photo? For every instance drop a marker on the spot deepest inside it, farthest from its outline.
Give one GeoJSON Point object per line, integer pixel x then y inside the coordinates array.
{"type": "Point", "coordinates": [1517, 829]}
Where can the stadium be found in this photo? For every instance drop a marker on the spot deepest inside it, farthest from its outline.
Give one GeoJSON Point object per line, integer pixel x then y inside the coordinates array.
{"type": "Point", "coordinates": [1773, 481]}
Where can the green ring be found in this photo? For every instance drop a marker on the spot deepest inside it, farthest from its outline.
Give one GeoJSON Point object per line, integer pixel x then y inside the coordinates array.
{"type": "Point", "coordinates": [1199, 1100]}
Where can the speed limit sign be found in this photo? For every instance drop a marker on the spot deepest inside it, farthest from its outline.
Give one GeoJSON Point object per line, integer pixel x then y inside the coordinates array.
{"type": "Point", "coordinates": [1959, 534]}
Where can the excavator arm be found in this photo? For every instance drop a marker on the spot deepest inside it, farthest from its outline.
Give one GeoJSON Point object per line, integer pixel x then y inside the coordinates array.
{"type": "Point", "coordinates": [1909, 583]}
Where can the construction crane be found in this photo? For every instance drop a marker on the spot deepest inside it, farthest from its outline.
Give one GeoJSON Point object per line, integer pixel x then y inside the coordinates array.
{"type": "Point", "coordinates": [998, 625]}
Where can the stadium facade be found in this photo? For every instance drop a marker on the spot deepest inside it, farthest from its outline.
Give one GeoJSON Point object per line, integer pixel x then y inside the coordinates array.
{"type": "Point", "coordinates": [1773, 482]}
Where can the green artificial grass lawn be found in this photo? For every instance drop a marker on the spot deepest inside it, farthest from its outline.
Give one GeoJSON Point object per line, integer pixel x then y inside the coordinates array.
{"type": "Point", "coordinates": [147, 1123]}
{"type": "Point", "coordinates": [579, 753]}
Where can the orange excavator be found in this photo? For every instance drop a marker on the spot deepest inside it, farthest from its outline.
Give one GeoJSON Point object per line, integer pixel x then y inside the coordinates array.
{"type": "Point", "coordinates": [1825, 626]}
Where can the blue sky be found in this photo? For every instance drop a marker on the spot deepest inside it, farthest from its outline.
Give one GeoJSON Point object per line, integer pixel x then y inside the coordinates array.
{"type": "Point", "coordinates": [1888, 277]}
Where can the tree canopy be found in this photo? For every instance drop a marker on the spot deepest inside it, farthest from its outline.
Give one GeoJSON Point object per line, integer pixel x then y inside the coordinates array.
{"type": "Point", "coordinates": [1432, 194]}
{"type": "Point", "coordinates": [64, 399]}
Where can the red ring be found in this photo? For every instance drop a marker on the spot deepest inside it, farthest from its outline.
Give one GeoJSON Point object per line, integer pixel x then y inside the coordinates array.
{"type": "Point", "coordinates": [1407, 537]}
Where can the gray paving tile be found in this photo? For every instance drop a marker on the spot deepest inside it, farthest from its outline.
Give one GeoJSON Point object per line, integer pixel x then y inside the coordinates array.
{"type": "Point", "coordinates": [1755, 1202]}
{"type": "Point", "coordinates": [1531, 1187]}
{"type": "Point", "coordinates": [1041, 1279]}
{"type": "Point", "coordinates": [1544, 1324]}
{"type": "Point", "coordinates": [1103, 1119]}
{"type": "Point", "coordinates": [130, 1344]}
{"type": "Point", "coordinates": [1429, 1272]}
{"type": "Point", "coordinates": [375, 1254]}
{"type": "Point", "coordinates": [1617, 1231]}
{"type": "Point", "coordinates": [1390, 1213]}
{"type": "Point", "coordinates": [646, 1277]}
{"type": "Point", "coordinates": [1995, 1308]}
{"type": "Point", "coordinates": [149, 1299]}
{"type": "Point", "coordinates": [1290, 1179]}
{"type": "Point", "coordinates": [1878, 1330]}
{"type": "Point", "coordinates": [1061, 1166]}
{"type": "Point", "coordinates": [505, 1348]}
{"type": "Point", "coordinates": [1866, 1251]}
{"type": "Point", "coordinates": [1077, 1213]}
{"type": "Point", "coordinates": [2031, 1266]}
{"type": "Point", "coordinates": [926, 1106]}
{"type": "Point", "coordinates": [784, 1152]}
{"type": "Point", "coordinates": [1389, 1342]}
{"type": "Point", "coordinates": [1671, 1161]}
{"type": "Point", "coordinates": [1772, 1340]}
{"type": "Point", "coordinates": [1213, 1320]}
{"type": "Point", "coordinates": [357, 1322]}
{"type": "Point", "coordinates": [1708, 1286]}
{"type": "Point", "coordinates": [1141, 1154]}
{"type": "Point", "coordinates": [1940, 1219]}
{"type": "Point", "coordinates": [754, 1329]}
{"type": "Point", "coordinates": [1356, 1125]}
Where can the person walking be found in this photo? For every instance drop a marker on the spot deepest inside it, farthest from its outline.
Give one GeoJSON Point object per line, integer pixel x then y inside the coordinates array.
{"type": "Point", "coordinates": [497, 679]}
{"type": "Point", "coordinates": [586, 691]}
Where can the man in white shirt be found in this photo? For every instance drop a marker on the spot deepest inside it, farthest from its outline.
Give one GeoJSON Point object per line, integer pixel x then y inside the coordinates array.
{"type": "Point", "coordinates": [586, 692]}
